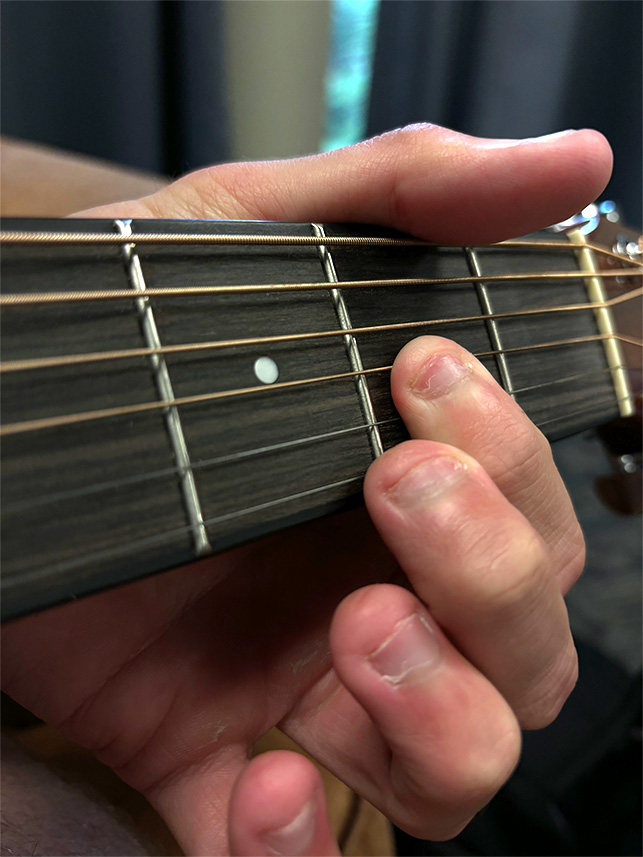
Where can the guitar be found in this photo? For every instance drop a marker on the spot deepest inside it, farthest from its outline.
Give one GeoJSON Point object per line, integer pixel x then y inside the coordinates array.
{"type": "Point", "coordinates": [176, 388]}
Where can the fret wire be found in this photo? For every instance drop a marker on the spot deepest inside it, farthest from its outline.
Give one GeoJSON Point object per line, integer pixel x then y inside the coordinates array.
{"type": "Point", "coordinates": [143, 407]}
{"type": "Point", "coordinates": [38, 298]}
{"type": "Point", "coordinates": [489, 321]}
{"type": "Point", "coordinates": [350, 343]}
{"type": "Point", "coordinates": [230, 458]}
{"type": "Point", "coordinates": [212, 345]}
{"type": "Point", "coordinates": [163, 384]}
{"type": "Point", "coordinates": [182, 238]}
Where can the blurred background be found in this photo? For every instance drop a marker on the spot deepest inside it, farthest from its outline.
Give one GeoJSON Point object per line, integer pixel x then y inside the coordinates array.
{"type": "Point", "coordinates": [165, 87]}
{"type": "Point", "coordinates": [169, 86]}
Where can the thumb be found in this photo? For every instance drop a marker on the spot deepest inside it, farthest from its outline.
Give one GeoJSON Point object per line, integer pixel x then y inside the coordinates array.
{"type": "Point", "coordinates": [432, 182]}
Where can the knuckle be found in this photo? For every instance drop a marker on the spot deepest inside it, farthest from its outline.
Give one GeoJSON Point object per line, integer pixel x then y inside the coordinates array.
{"type": "Point", "coordinates": [223, 190]}
{"type": "Point", "coordinates": [508, 567]}
{"type": "Point", "coordinates": [489, 768]}
{"type": "Point", "coordinates": [527, 454]}
{"type": "Point", "coordinates": [440, 806]}
{"type": "Point", "coordinates": [437, 830]}
{"type": "Point", "coordinates": [412, 136]}
{"type": "Point", "coordinates": [546, 700]}
{"type": "Point", "coordinates": [572, 555]}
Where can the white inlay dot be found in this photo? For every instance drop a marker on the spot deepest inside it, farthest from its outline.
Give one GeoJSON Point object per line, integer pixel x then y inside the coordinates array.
{"type": "Point", "coordinates": [266, 370]}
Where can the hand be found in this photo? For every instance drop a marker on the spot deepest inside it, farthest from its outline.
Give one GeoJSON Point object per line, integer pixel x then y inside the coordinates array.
{"type": "Point", "coordinates": [416, 694]}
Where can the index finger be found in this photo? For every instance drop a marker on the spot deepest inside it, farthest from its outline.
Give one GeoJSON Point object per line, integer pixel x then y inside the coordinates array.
{"type": "Point", "coordinates": [444, 394]}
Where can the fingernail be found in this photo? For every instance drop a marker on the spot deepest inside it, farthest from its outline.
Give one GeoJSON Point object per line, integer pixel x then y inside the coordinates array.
{"type": "Point", "coordinates": [440, 374]}
{"type": "Point", "coordinates": [410, 651]}
{"type": "Point", "coordinates": [427, 481]}
{"type": "Point", "coordinates": [294, 838]}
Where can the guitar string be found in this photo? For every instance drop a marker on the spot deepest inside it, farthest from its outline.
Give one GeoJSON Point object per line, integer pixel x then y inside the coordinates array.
{"type": "Point", "coordinates": [132, 353]}
{"type": "Point", "coordinates": [18, 237]}
{"type": "Point", "coordinates": [143, 407]}
{"type": "Point", "coordinates": [169, 535]}
{"type": "Point", "coordinates": [230, 458]}
{"type": "Point", "coordinates": [98, 487]}
{"type": "Point", "coordinates": [88, 238]}
{"type": "Point", "coordinates": [597, 406]}
{"type": "Point", "coordinates": [41, 298]}
{"type": "Point", "coordinates": [344, 482]}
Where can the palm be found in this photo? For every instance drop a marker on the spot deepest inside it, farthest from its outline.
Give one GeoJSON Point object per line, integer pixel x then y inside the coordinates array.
{"type": "Point", "coordinates": [174, 670]}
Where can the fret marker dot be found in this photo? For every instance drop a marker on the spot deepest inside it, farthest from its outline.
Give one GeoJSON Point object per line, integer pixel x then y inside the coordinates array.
{"type": "Point", "coordinates": [266, 370]}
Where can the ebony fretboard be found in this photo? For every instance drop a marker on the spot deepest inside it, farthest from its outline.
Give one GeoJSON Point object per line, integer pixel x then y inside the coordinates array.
{"type": "Point", "coordinates": [95, 502]}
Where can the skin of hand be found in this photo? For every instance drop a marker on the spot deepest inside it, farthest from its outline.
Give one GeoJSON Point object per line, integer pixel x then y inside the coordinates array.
{"type": "Point", "coordinates": [411, 687]}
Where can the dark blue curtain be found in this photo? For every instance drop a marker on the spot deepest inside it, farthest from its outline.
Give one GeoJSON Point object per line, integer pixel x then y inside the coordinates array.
{"type": "Point", "coordinates": [140, 83]}
{"type": "Point", "coordinates": [516, 68]}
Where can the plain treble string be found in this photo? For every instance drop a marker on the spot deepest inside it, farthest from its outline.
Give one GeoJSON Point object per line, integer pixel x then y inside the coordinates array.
{"type": "Point", "coordinates": [172, 534]}
{"type": "Point", "coordinates": [231, 458]}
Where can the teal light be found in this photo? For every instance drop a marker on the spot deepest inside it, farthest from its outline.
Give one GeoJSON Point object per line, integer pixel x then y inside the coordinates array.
{"type": "Point", "coordinates": [350, 67]}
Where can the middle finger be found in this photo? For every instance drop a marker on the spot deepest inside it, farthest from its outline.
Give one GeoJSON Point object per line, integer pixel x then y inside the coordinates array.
{"type": "Point", "coordinates": [482, 569]}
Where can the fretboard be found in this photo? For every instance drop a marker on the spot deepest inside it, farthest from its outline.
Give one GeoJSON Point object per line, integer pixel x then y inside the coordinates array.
{"type": "Point", "coordinates": [142, 432]}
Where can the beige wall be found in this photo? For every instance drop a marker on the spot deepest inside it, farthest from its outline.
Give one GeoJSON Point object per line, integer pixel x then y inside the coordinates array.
{"type": "Point", "coordinates": [276, 53]}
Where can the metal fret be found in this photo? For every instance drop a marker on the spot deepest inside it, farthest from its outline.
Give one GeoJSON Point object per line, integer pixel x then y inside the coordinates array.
{"type": "Point", "coordinates": [166, 393]}
{"type": "Point", "coordinates": [492, 327]}
{"type": "Point", "coordinates": [350, 342]}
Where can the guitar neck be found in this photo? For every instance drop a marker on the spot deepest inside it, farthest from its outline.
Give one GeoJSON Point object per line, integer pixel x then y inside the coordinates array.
{"type": "Point", "coordinates": [140, 432]}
